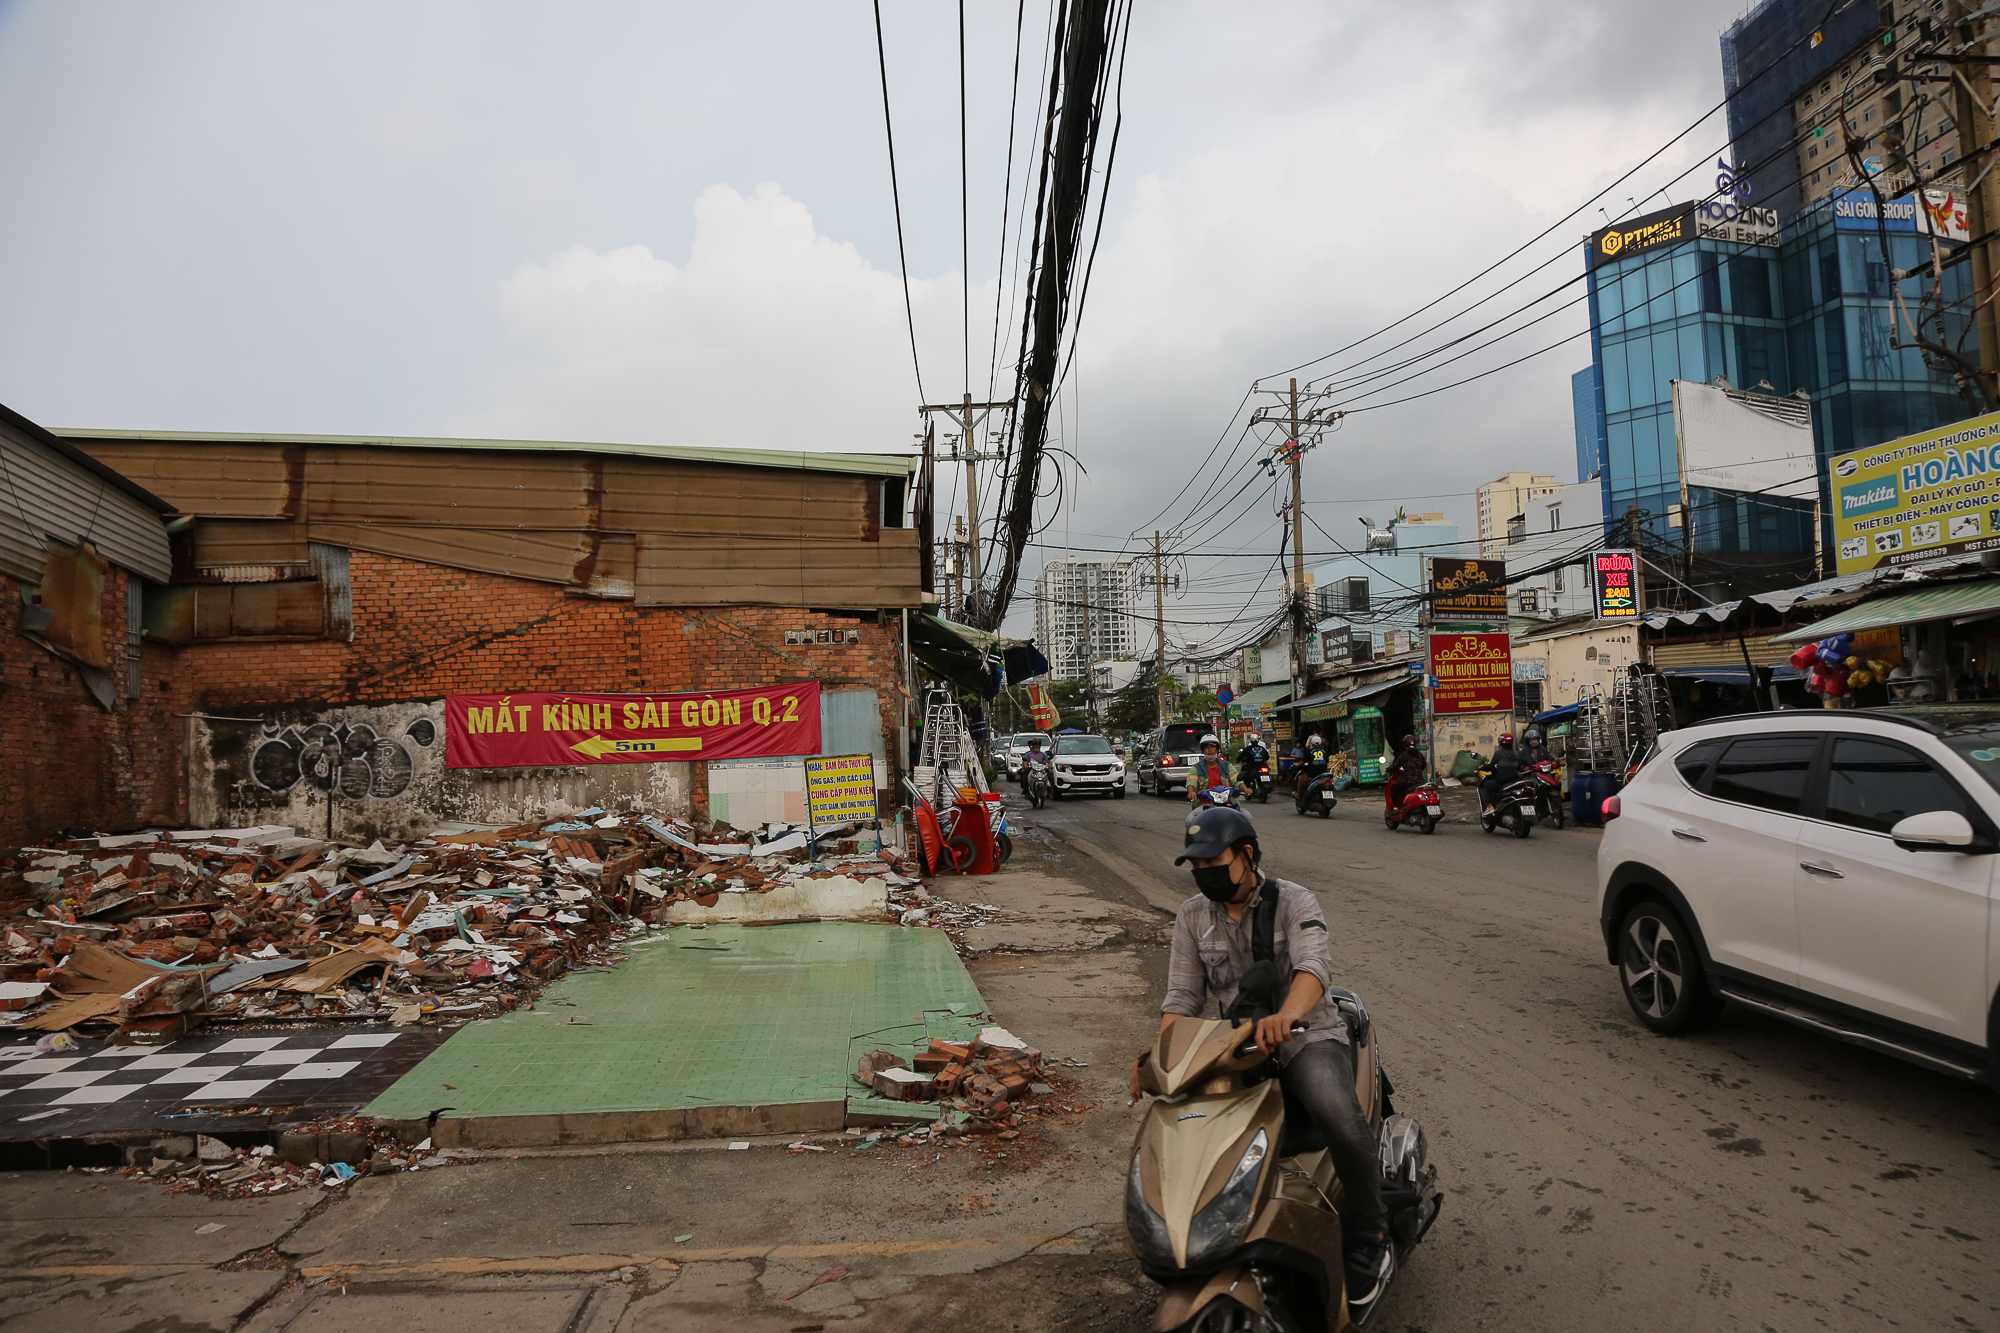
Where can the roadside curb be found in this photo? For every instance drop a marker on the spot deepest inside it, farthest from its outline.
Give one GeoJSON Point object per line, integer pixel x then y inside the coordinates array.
{"type": "Point", "coordinates": [1143, 882]}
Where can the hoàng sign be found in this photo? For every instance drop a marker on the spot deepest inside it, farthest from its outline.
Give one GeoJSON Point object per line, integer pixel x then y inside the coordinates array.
{"type": "Point", "coordinates": [544, 730]}
{"type": "Point", "coordinates": [1474, 673]}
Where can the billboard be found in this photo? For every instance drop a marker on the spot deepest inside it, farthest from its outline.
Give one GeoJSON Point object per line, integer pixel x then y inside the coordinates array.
{"type": "Point", "coordinates": [1615, 585]}
{"type": "Point", "coordinates": [1488, 578]}
{"type": "Point", "coordinates": [1939, 213]}
{"type": "Point", "coordinates": [1653, 231]}
{"type": "Point", "coordinates": [1732, 440]}
{"type": "Point", "coordinates": [535, 730]}
{"type": "Point", "coordinates": [1474, 673]}
{"type": "Point", "coordinates": [1918, 498]}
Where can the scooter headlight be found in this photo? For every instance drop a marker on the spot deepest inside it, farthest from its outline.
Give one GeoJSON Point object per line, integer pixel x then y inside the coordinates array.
{"type": "Point", "coordinates": [1148, 1228]}
{"type": "Point", "coordinates": [1218, 1228]}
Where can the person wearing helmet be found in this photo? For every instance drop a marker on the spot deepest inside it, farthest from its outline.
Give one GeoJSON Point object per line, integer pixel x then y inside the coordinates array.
{"type": "Point", "coordinates": [1211, 770]}
{"type": "Point", "coordinates": [1534, 749]}
{"type": "Point", "coordinates": [1406, 772]}
{"type": "Point", "coordinates": [1251, 755]}
{"type": "Point", "coordinates": [1313, 759]}
{"type": "Point", "coordinates": [1213, 954]}
{"type": "Point", "coordinates": [1503, 768]}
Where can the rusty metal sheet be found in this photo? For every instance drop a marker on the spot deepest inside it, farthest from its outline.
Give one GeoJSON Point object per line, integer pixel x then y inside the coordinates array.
{"type": "Point", "coordinates": [674, 571]}
{"type": "Point", "coordinates": [265, 610]}
{"type": "Point", "coordinates": [170, 613]}
{"type": "Point", "coordinates": [608, 571]}
{"type": "Point", "coordinates": [219, 543]}
{"type": "Point", "coordinates": [72, 592]}
{"type": "Point", "coordinates": [696, 499]}
{"type": "Point", "coordinates": [547, 557]}
{"type": "Point", "coordinates": [450, 488]}
{"type": "Point", "coordinates": [210, 480]}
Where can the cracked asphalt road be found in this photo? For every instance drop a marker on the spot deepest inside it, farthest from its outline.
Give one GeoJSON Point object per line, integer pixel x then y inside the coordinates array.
{"type": "Point", "coordinates": [1754, 1177]}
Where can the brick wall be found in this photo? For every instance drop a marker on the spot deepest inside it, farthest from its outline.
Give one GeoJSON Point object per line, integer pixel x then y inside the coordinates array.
{"type": "Point", "coordinates": [65, 760]}
{"type": "Point", "coordinates": [422, 631]}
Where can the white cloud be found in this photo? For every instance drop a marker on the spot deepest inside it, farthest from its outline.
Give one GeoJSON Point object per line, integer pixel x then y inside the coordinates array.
{"type": "Point", "coordinates": [769, 336]}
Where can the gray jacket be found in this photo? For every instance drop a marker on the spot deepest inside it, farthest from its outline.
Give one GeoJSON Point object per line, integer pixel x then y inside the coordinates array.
{"type": "Point", "coordinates": [1211, 953]}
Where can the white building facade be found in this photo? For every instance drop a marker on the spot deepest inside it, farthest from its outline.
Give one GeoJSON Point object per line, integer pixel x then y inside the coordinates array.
{"type": "Point", "coordinates": [1083, 613]}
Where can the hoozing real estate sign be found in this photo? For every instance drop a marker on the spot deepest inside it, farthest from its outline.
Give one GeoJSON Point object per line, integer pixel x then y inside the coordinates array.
{"type": "Point", "coordinates": [541, 730]}
{"type": "Point", "coordinates": [1918, 498]}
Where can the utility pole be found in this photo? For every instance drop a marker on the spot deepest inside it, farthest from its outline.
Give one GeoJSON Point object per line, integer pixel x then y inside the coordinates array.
{"type": "Point", "coordinates": [1297, 424]}
{"type": "Point", "coordinates": [968, 416]}
{"type": "Point", "coordinates": [1160, 582]}
{"type": "Point", "coordinates": [1632, 516]}
{"type": "Point", "coordinates": [1972, 108]}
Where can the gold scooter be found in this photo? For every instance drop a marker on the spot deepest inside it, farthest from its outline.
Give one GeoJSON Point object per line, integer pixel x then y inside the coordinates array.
{"type": "Point", "coordinates": [1233, 1206]}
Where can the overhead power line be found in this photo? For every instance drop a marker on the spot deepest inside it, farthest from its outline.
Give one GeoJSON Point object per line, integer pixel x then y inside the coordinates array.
{"type": "Point", "coordinates": [896, 196]}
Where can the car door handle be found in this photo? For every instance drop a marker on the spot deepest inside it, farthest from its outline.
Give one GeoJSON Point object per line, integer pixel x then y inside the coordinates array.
{"type": "Point", "coordinates": [1818, 869]}
{"type": "Point", "coordinates": [1686, 834]}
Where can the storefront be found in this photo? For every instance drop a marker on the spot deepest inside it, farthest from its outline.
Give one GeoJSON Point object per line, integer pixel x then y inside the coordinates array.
{"type": "Point", "coordinates": [1940, 642]}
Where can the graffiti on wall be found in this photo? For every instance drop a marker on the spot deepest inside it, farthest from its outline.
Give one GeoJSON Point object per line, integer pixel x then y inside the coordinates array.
{"type": "Point", "coordinates": [351, 759]}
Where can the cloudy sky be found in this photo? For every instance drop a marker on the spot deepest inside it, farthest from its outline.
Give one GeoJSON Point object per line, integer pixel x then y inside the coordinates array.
{"type": "Point", "coordinates": [672, 223]}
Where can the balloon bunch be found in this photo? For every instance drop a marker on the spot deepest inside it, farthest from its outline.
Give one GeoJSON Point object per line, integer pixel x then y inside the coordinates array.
{"type": "Point", "coordinates": [1834, 668]}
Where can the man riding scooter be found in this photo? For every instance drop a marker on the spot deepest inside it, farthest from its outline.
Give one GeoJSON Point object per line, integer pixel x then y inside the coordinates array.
{"type": "Point", "coordinates": [1253, 764]}
{"type": "Point", "coordinates": [1408, 797]}
{"type": "Point", "coordinates": [1314, 782]}
{"type": "Point", "coordinates": [1406, 772]}
{"type": "Point", "coordinates": [1504, 769]}
{"type": "Point", "coordinates": [1210, 771]}
{"type": "Point", "coordinates": [1215, 950]}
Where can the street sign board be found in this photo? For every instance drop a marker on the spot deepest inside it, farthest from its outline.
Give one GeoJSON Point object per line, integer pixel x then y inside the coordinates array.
{"type": "Point", "coordinates": [840, 789]}
{"type": "Point", "coordinates": [1617, 584]}
{"type": "Point", "coordinates": [1224, 694]}
{"type": "Point", "coordinates": [1918, 498]}
{"type": "Point", "coordinates": [1475, 673]}
{"type": "Point", "coordinates": [1488, 579]}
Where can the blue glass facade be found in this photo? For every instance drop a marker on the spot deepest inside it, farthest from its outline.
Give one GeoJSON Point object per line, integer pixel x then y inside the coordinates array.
{"type": "Point", "coordinates": [1814, 315]}
{"type": "Point", "coordinates": [1586, 395]}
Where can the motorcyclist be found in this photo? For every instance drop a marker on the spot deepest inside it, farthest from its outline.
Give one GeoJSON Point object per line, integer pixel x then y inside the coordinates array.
{"type": "Point", "coordinates": [1034, 761]}
{"type": "Point", "coordinates": [1406, 772]}
{"type": "Point", "coordinates": [1252, 755]}
{"type": "Point", "coordinates": [1211, 770]}
{"type": "Point", "coordinates": [1503, 768]}
{"type": "Point", "coordinates": [1312, 760]}
{"type": "Point", "coordinates": [1213, 948]}
{"type": "Point", "coordinates": [1533, 749]}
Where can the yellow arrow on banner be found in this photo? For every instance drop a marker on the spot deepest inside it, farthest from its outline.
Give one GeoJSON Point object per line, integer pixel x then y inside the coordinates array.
{"type": "Point", "coordinates": [596, 747]}
{"type": "Point", "coordinates": [1464, 704]}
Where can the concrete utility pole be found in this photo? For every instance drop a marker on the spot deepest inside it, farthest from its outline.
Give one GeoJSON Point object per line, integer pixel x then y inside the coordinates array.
{"type": "Point", "coordinates": [1297, 424]}
{"type": "Point", "coordinates": [962, 414]}
{"type": "Point", "coordinates": [1972, 108]}
{"type": "Point", "coordinates": [1160, 581]}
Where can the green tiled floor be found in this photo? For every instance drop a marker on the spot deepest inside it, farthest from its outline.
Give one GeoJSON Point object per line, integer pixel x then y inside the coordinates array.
{"type": "Point", "coordinates": [722, 1017]}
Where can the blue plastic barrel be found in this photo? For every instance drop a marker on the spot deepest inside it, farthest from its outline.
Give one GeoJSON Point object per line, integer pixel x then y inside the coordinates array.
{"type": "Point", "coordinates": [1586, 796]}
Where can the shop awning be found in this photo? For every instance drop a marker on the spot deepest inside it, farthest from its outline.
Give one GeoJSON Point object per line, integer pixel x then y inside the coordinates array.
{"type": "Point", "coordinates": [1379, 687]}
{"type": "Point", "coordinates": [1564, 714]}
{"type": "Point", "coordinates": [1249, 703]}
{"type": "Point", "coordinates": [1729, 675]}
{"type": "Point", "coordinates": [1937, 601]}
{"type": "Point", "coordinates": [1310, 701]}
{"type": "Point", "coordinates": [946, 651]}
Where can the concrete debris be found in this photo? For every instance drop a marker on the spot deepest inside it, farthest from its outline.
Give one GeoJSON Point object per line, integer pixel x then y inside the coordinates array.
{"type": "Point", "coordinates": [983, 1079]}
{"type": "Point", "coordinates": [154, 934]}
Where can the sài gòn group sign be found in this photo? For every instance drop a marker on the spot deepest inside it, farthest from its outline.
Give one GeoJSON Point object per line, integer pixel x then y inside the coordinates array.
{"type": "Point", "coordinates": [540, 730]}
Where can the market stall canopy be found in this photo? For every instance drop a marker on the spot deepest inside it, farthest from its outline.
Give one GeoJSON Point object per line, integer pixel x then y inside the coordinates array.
{"type": "Point", "coordinates": [949, 651]}
{"type": "Point", "coordinates": [1380, 687]}
{"type": "Point", "coordinates": [1729, 675]}
{"type": "Point", "coordinates": [1947, 601]}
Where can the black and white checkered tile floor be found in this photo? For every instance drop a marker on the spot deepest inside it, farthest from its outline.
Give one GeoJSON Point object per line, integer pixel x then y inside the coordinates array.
{"type": "Point", "coordinates": [289, 1075]}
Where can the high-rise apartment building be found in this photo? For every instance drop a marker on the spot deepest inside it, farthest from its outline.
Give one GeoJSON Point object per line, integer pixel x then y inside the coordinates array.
{"type": "Point", "coordinates": [1083, 613]}
{"type": "Point", "coordinates": [1503, 499]}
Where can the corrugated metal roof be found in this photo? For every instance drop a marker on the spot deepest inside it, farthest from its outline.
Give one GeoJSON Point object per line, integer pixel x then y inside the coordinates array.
{"type": "Point", "coordinates": [44, 491]}
{"type": "Point", "coordinates": [1940, 601]}
{"type": "Point", "coordinates": [872, 465]}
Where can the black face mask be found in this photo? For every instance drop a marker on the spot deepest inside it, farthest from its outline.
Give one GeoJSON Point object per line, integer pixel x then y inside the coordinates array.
{"type": "Point", "coordinates": [1215, 883]}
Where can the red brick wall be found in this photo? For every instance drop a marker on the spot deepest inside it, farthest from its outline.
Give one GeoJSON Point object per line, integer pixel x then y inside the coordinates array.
{"type": "Point", "coordinates": [422, 631]}
{"type": "Point", "coordinates": [65, 760]}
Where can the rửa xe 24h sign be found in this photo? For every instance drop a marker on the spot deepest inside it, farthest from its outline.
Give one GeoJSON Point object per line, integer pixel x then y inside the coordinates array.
{"type": "Point", "coordinates": [1474, 673]}
{"type": "Point", "coordinates": [545, 730]}
{"type": "Point", "coordinates": [1918, 498]}
{"type": "Point", "coordinates": [1616, 584]}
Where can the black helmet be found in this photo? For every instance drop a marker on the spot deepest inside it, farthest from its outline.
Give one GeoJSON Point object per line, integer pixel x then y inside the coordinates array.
{"type": "Point", "coordinates": [1214, 830]}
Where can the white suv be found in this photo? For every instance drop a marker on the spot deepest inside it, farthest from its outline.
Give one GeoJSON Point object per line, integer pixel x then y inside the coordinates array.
{"type": "Point", "coordinates": [1833, 868]}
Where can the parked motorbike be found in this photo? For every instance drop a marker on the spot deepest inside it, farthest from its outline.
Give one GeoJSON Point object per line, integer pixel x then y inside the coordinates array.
{"type": "Point", "coordinates": [1515, 808]}
{"type": "Point", "coordinates": [1549, 802]}
{"type": "Point", "coordinates": [1420, 808]}
{"type": "Point", "coordinates": [1315, 796]}
{"type": "Point", "coordinates": [1233, 1204]}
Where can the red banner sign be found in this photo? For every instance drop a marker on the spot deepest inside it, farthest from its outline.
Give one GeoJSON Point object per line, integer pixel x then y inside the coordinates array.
{"type": "Point", "coordinates": [543, 730]}
{"type": "Point", "coordinates": [1475, 673]}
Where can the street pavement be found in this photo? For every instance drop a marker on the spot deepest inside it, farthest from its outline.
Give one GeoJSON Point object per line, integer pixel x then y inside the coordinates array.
{"type": "Point", "coordinates": [1753, 1177]}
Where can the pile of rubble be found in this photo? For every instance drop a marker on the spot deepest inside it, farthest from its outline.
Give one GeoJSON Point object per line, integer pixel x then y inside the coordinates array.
{"type": "Point", "coordinates": [317, 1156]}
{"type": "Point", "coordinates": [980, 1082]}
{"type": "Point", "coordinates": [155, 933]}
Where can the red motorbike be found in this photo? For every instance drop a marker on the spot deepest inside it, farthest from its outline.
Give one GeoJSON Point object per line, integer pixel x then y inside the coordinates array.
{"type": "Point", "coordinates": [1548, 791]}
{"type": "Point", "coordinates": [1419, 808]}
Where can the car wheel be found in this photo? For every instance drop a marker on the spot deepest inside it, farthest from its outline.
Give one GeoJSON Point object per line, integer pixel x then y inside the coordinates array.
{"type": "Point", "coordinates": [1660, 972]}
{"type": "Point", "coordinates": [1118, 792]}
